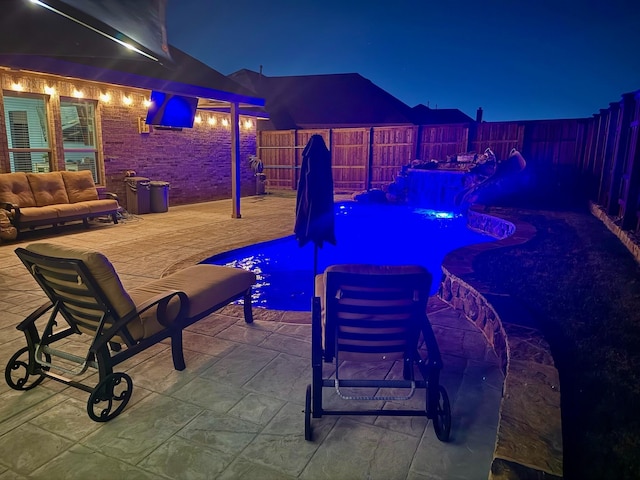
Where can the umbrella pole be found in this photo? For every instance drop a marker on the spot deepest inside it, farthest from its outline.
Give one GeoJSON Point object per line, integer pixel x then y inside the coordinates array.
{"type": "Point", "coordinates": [316, 344]}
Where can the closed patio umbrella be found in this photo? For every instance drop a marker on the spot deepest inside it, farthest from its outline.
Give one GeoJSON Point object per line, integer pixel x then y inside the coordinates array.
{"type": "Point", "coordinates": [315, 222]}
{"type": "Point", "coordinates": [314, 201]}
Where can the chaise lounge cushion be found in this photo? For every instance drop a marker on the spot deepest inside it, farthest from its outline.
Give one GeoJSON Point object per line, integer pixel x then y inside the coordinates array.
{"type": "Point", "coordinates": [205, 285]}
{"type": "Point", "coordinates": [48, 188]}
{"type": "Point", "coordinates": [15, 189]}
{"type": "Point", "coordinates": [104, 274]}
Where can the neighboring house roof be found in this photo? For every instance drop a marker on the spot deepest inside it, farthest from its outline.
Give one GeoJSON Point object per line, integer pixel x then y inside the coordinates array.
{"type": "Point", "coordinates": [324, 101]}
{"type": "Point", "coordinates": [423, 115]}
{"type": "Point", "coordinates": [39, 40]}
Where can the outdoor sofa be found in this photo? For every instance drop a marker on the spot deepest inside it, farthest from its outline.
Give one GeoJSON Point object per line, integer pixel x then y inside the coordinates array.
{"type": "Point", "coordinates": [35, 199]}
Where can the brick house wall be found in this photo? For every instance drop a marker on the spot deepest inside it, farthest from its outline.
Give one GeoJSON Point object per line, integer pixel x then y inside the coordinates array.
{"type": "Point", "coordinates": [195, 161]}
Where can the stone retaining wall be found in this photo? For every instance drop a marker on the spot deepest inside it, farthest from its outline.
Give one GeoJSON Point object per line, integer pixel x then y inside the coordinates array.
{"type": "Point", "coordinates": [529, 438]}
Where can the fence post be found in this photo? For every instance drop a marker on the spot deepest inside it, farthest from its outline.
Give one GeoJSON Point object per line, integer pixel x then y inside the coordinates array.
{"type": "Point", "coordinates": [622, 135]}
{"type": "Point", "coordinates": [294, 159]}
{"type": "Point", "coordinates": [631, 175]}
{"type": "Point", "coordinates": [368, 160]}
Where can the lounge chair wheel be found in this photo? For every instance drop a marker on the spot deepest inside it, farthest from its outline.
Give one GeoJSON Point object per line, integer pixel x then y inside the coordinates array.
{"type": "Point", "coordinates": [17, 372]}
{"type": "Point", "coordinates": [442, 420]}
{"type": "Point", "coordinates": [308, 434]}
{"type": "Point", "coordinates": [109, 397]}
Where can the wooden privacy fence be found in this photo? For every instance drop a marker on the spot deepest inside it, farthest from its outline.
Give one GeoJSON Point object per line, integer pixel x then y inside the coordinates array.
{"type": "Point", "coordinates": [601, 153]}
{"type": "Point", "coordinates": [361, 158]}
{"type": "Point", "coordinates": [372, 157]}
{"type": "Point", "coordinates": [610, 160]}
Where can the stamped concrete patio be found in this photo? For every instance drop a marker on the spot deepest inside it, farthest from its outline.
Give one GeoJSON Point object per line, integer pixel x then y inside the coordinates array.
{"type": "Point", "coordinates": [236, 411]}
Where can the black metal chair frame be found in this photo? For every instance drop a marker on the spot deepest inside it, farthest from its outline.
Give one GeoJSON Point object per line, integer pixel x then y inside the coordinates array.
{"type": "Point", "coordinates": [75, 296]}
{"type": "Point", "coordinates": [437, 407]}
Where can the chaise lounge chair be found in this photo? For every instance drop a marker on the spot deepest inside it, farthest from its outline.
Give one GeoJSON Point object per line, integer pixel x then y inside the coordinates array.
{"type": "Point", "coordinates": [86, 297]}
{"type": "Point", "coordinates": [367, 314]}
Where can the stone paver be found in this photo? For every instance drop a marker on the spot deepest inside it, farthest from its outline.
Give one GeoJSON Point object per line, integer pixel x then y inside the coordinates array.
{"type": "Point", "coordinates": [236, 411]}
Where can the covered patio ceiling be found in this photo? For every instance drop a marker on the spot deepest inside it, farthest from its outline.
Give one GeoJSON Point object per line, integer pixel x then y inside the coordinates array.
{"type": "Point", "coordinates": [87, 54]}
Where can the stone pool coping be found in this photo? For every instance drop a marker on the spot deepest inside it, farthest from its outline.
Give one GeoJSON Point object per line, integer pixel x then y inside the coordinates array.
{"type": "Point", "coordinates": [529, 437]}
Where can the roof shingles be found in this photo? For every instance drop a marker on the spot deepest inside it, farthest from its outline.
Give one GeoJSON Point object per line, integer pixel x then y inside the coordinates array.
{"type": "Point", "coordinates": [336, 100]}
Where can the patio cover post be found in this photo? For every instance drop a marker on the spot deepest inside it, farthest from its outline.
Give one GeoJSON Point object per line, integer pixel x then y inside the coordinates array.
{"type": "Point", "coordinates": [235, 161]}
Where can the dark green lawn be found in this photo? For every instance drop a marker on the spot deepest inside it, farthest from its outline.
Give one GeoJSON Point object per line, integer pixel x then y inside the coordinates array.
{"type": "Point", "coordinates": [583, 287]}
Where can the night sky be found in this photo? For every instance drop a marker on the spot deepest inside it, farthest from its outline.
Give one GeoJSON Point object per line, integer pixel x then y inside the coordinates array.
{"type": "Point", "coordinates": [518, 60]}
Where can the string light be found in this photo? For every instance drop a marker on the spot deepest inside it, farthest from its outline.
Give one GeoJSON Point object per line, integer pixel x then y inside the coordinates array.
{"type": "Point", "coordinates": [106, 97]}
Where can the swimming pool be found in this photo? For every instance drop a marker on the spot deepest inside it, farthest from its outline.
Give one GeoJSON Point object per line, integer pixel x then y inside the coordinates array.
{"type": "Point", "coordinates": [365, 233]}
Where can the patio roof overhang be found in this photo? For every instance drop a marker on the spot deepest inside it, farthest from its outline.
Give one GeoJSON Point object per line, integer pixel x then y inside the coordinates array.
{"type": "Point", "coordinates": [214, 98]}
{"type": "Point", "coordinates": [208, 98]}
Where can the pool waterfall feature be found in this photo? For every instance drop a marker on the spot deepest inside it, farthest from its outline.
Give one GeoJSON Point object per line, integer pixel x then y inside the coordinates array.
{"type": "Point", "coordinates": [415, 222]}
{"type": "Point", "coordinates": [435, 189]}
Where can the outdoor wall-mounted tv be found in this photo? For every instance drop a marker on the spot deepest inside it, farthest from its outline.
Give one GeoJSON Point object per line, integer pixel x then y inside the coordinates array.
{"type": "Point", "coordinates": [168, 110]}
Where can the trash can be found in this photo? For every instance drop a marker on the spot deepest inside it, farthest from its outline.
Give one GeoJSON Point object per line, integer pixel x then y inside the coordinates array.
{"type": "Point", "coordinates": [159, 196]}
{"type": "Point", "coordinates": [138, 199]}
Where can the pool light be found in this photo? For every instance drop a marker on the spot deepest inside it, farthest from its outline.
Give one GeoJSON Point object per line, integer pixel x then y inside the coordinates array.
{"type": "Point", "coordinates": [428, 212]}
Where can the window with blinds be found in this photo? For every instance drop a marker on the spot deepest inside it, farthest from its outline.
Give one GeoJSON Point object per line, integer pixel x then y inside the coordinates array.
{"type": "Point", "coordinates": [28, 139]}
{"type": "Point", "coordinates": [78, 119]}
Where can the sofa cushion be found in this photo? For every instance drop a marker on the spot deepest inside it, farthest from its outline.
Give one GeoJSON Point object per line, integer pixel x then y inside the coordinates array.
{"type": "Point", "coordinates": [70, 210]}
{"type": "Point", "coordinates": [48, 188]}
{"type": "Point", "coordinates": [80, 186]}
{"type": "Point", "coordinates": [38, 214]}
{"type": "Point", "coordinates": [104, 274]}
{"type": "Point", "coordinates": [15, 188]}
{"type": "Point", "coordinates": [100, 207]}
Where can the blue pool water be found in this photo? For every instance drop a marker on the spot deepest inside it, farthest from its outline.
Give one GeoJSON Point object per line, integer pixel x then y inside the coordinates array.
{"type": "Point", "coordinates": [365, 233]}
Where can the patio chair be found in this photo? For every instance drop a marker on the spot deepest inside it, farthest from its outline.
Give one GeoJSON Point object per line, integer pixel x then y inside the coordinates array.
{"type": "Point", "coordinates": [366, 316]}
{"type": "Point", "coordinates": [86, 298]}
